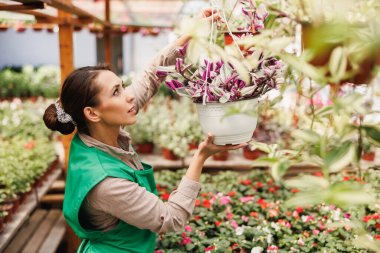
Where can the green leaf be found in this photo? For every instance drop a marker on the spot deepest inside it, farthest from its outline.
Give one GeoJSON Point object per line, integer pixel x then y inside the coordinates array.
{"type": "Point", "coordinates": [324, 111]}
{"type": "Point", "coordinates": [279, 169]}
{"type": "Point", "coordinates": [306, 135]}
{"type": "Point", "coordinates": [241, 70]}
{"type": "Point", "coordinates": [362, 241]}
{"type": "Point", "coordinates": [340, 157]}
{"type": "Point", "coordinates": [373, 134]}
{"type": "Point", "coordinates": [303, 67]}
{"type": "Point", "coordinates": [265, 162]}
{"type": "Point", "coordinates": [347, 194]}
{"type": "Point", "coordinates": [306, 198]}
{"type": "Point", "coordinates": [338, 64]}
{"type": "Point", "coordinates": [307, 182]}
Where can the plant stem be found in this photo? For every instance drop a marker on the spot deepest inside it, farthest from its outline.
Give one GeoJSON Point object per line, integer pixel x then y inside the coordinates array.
{"type": "Point", "coordinates": [360, 146]}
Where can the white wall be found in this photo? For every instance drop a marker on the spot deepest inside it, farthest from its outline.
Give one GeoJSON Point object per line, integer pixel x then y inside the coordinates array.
{"type": "Point", "coordinates": [41, 48]}
{"type": "Point", "coordinates": [139, 50]}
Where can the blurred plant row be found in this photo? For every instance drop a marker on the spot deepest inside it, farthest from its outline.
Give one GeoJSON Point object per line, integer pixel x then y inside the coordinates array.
{"type": "Point", "coordinates": [28, 81]}
{"type": "Point", "coordinates": [27, 153]}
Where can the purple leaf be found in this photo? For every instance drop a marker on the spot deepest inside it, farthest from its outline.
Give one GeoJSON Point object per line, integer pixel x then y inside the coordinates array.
{"type": "Point", "coordinates": [161, 74]}
{"type": "Point", "coordinates": [178, 65]}
{"type": "Point", "coordinates": [182, 51]}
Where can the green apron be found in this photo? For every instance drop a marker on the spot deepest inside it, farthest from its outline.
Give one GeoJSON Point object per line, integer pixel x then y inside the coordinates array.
{"type": "Point", "coordinates": [87, 167]}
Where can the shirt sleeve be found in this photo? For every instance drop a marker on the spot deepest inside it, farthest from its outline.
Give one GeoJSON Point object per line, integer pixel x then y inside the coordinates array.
{"type": "Point", "coordinates": [141, 208]}
{"type": "Point", "coordinates": [146, 84]}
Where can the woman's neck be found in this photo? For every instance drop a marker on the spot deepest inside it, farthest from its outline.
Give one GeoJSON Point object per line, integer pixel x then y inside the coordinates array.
{"type": "Point", "coordinates": [107, 135]}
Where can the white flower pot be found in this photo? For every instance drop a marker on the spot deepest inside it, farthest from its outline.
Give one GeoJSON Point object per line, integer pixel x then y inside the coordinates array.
{"type": "Point", "coordinates": [229, 129]}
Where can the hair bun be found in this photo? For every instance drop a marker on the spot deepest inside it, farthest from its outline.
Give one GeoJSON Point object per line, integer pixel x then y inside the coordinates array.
{"type": "Point", "coordinates": [51, 121]}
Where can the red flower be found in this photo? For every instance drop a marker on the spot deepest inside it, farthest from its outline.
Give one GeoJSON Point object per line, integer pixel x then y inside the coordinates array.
{"type": "Point", "coordinates": [377, 237]}
{"type": "Point", "coordinates": [271, 189]}
{"type": "Point", "coordinates": [318, 174]}
{"type": "Point", "coordinates": [204, 194]}
{"type": "Point", "coordinates": [235, 245]}
{"type": "Point", "coordinates": [366, 218]}
{"type": "Point", "coordinates": [197, 202]}
{"type": "Point", "coordinates": [197, 217]}
{"type": "Point", "coordinates": [158, 186]}
{"type": "Point", "coordinates": [209, 248]}
{"type": "Point", "coordinates": [165, 196]}
{"type": "Point", "coordinates": [231, 193]}
{"type": "Point", "coordinates": [273, 213]}
{"type": "Point", "coordinates": [217, 223]}
{"type": "Point", "coordinates": [295, 190]}
{"type": "Point", "coordinates": [299, 209]}
{"type": "Point", "coordinates": [206, 203]}
{"type": "Point", "coordinates": [246, 182]}
{"type": "Point", "coordinates": [262, 203]}
{"type": "Point", "coordinates": [253, 214]}
{"type": "Point", "coordinates": [346, 178]}
{"type": "Point", "coordinates": [259, 184]}
{"type": "Point", "coordinates": [30, 145]}
{"type": "Point", "coordinates": [158, 251]}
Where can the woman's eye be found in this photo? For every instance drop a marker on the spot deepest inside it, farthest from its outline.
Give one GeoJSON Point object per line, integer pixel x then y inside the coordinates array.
{"type": "Point", "coordinates": [116, 92]}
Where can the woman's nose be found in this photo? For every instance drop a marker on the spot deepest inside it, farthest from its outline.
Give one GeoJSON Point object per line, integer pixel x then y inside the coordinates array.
{"type": "Point", "coordinates": [129, 97]}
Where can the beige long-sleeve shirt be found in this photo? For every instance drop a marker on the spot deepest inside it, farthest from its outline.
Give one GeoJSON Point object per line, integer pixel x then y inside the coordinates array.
{"type": "Point", "coordinates": [115, 199]}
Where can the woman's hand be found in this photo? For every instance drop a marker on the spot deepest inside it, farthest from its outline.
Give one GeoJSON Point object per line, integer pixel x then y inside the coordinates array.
{"type": "Point", "coordinates": [211, 15]}
{"type": "Point", "coordinates": [207, 148]}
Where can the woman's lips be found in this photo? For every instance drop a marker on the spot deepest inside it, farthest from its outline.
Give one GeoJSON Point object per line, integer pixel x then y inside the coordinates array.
{"type": "Point", "coordinates": [132, 110]}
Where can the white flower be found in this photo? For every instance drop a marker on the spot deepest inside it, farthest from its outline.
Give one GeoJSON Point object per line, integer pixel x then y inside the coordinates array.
{"type": "Point", "coordinates": [257, 250]}
{"type": "Point", "coordinates": [336, 215]}
{"type": "Point", "coordinates": [239, 230]}
{"type": "Point", "coordinates": [275, 226]}
{"type": "Point", "coordinates": [269, 238]}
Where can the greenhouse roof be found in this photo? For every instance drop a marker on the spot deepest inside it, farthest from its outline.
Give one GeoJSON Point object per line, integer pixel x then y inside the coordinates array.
{"type": "Point", "coordinates": [154, 13]}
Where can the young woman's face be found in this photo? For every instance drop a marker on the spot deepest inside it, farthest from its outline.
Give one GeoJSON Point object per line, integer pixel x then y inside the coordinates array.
{"type": "Point", "coordinates": [116, 107]}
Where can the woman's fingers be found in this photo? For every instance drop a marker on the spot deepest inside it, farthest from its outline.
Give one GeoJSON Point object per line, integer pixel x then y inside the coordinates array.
{"type": "Point", "coordinates": [233, 147]}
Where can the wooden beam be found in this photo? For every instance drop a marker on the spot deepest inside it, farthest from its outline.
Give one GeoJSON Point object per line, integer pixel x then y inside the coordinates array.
{"type": "Point", "coordinates": [107, 35]}
{"type": "Point", "coordinates": [20, 7]}
{"type": "Point", "coordinates": [70, 8]}
{"type": "Point", "coordinates": [66, 51]}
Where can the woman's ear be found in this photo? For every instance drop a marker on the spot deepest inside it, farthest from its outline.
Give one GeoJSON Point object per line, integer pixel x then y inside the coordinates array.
{"type": "Point", "coordinates": [91, 114]}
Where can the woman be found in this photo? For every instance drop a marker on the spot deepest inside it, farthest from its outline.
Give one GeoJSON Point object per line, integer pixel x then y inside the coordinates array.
{"type": "Point", "coordinates": [110, 197]}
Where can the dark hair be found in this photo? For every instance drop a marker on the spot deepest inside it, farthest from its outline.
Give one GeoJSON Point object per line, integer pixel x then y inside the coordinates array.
{"type": "Point", "coordinates": [79, 90]}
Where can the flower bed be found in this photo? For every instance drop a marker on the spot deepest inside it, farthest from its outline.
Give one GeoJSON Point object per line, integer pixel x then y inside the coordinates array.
{"type": "Point", "coordinates": [246, 213]}
{"type": "Point", "coordinates": [27, 154]}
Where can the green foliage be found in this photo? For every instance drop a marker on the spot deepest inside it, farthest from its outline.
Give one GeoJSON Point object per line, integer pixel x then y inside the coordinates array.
{"type": "Point", "coordinates": [42, 81]}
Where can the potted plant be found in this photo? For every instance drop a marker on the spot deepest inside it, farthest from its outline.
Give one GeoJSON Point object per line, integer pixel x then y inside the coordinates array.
{"type": "Point", "coordinates": [174, 135]}
{"type": "Point", "coordinates": [222, 81]}
{"type": "Point", "coordinates": [368, 151]}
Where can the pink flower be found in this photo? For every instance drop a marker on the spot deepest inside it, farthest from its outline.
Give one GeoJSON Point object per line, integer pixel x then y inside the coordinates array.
{"type": "Point", "coordinates": [225, 200]}
{"type": "Point", "coordinates": [288, 224]}
{"type": "Point", "coordinates": [315, 231]}
{"type": "Point", "coordinates": [234, 224]}
{"type": "Point", "coordinates": [246, 199]}
{"type": "Point", "coordinates": [188, 228]}
{"type": "Point", "coordinates": [244, 218]}
{"type": "Point", "coordinates": [209, 248]}
{"type": "Point", "coordinates": [186, 239]}
{"type": "Point", "coordinates": [347, 215]}
{"type": "Point", "coordinates": [272, 249]}
{"type": "Point", "coordinates": [301, 242]}
{"type": "Point", "coordinates": [158, 251]}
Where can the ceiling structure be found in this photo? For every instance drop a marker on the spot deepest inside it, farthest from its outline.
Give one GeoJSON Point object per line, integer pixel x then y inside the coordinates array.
{"type": "Point", "coordinates": [152, 13]}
